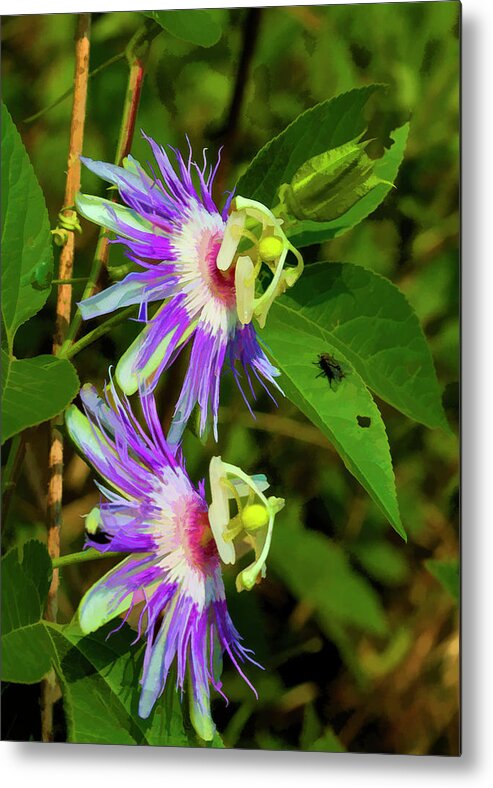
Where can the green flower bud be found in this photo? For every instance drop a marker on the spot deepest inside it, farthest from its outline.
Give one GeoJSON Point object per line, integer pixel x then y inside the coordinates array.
{"type": "Point", "coordinates": [328, 185]}
{"type": "Point", "coordinates": [93, 521]}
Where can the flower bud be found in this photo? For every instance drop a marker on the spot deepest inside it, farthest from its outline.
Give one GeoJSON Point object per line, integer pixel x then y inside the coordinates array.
{"type": "Point", "coordinates": [93, 521]}
{"type": "Point", "coordinates": [328, 185]}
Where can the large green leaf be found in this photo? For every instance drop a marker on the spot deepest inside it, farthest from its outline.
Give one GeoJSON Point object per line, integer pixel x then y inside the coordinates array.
{"type": "Point", "coordinates": [27, 650]}
{"type": "Point", "coordinates": [197, 26]}
{"type": "Point", "coordinates": [100, 680]}
{"type": "Point", "coordinates": [386, 168]}
{"type": "Point", "coordinates": [323, 127]}
{"type": "Point", "coordinates": [26, 239]}
{"type": "Point", "coordinates": [34, 390]}
{"type": "Point", "coordinates": [346, 414]}
{"type": "Point", "coordinates": [367, 319]}
{"type": "Point", "coordinates": [317, 571]}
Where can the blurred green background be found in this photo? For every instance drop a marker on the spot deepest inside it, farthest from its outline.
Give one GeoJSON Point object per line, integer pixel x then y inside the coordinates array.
{"type": "Point", "coordinates": [359, 641]}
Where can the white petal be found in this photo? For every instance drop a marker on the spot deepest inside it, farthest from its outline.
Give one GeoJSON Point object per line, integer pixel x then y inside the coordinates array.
{"type": "Point", "coordinates": [127, 373]}
{"type": "Point", "coordinates": [100, 604]}
{"type": "Point", "coordinates": [86, 436]}
{"type": "Point", "coordinates": [245, 289]}
{"type": "Point", "coordinates": [124, 293]}
{"type": "Point", "coordinates": [219, 511]}
{"type": "Point", "coordinates": [119, 218]}
{"type": "Point", "coordinates": [231, 239]}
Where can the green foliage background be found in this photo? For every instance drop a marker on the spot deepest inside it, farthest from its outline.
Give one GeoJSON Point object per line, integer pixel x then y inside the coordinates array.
{"type": "Point", "coordinates": [357, 631]}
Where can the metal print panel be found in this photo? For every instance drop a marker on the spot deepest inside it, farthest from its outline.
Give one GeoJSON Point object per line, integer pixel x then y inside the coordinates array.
{"type": "Point", "coordinates": [230, 293]}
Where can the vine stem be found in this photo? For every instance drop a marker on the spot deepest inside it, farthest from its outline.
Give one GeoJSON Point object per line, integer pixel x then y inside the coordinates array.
{"type": "Point", "coordinates": [11, 471]}
{"type": "Point", "coordinates": [75, 280]}
{"type": "Point", "coordinates": [106, 64]}
{"type": "Point", "coordinates": [100, 331]}
{"type": "Point", "coordinates": [137, 52]}
{"type": "Point", "coordinates": [85, 555]}
{"type": "Point", "coordinates": [63, 308]}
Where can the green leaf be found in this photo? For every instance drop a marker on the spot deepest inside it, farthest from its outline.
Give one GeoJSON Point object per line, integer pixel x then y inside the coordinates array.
{"type": "Point", "coordinates": [294, 342]}
{"type": "Point", "coordinates": [447, 573]}
{"type": "Point", "coordinates": [34, 390]}
{"type": "Point", "coordinates": [367, 319]}
{"type": "Point", "coordinates": [318, 572]}
{"type": "Point", "coordinates": [382, 561]}
{"type": "Point", "coordinates": [321, 128]}
{"type": "Point", "coordinates": [100, 681]}
{"type": "Point", "coordinates": [27, 650]}
{"type": "Point", "coordinates": [328, 742]}
{"type": "Point", "coordinates": [313, 738]}
{"type": "Point", "coordinates": [305, 233]}
{"type": "Point", "coordinates": [196, 26]}
{"type": "Point", "coordinates": [26, 238]}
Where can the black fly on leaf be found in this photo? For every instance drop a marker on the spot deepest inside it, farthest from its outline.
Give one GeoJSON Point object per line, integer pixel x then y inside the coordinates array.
{"type": "Point", "coordinates": [329, 368]}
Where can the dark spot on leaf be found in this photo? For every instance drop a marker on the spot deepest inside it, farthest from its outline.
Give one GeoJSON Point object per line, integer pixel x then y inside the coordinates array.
{"type": "Point", "coordinates": [363, 421]}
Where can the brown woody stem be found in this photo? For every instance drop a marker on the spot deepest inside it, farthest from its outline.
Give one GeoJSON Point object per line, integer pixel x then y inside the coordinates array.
{"type": "Point", "coordinates": [63, 308]}
{"type": "Point", "coordinates": [137, 52]}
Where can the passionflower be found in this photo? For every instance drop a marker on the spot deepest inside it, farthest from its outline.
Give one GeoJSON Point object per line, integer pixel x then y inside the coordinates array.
{"type": "Point", "coordinates": [201, 266]}
{"type": "Point", "coordinates": [151, 510]}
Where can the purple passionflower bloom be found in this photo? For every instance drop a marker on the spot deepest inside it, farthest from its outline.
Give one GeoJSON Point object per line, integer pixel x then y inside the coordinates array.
{"type": "Point", "coordinates": [175, 542]}
{"type": "Point", "coordinates": [201, 265]}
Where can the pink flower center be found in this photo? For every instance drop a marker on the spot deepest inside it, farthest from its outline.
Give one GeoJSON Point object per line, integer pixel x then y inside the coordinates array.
{"type": "Point", "coordinates": [200, 544]}
{"type": "Point", "coordinates": [220, 283]}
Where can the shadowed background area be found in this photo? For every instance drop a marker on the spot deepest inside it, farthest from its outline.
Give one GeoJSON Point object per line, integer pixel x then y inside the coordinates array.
{"type": "Point", "coordinates": [369, 660]}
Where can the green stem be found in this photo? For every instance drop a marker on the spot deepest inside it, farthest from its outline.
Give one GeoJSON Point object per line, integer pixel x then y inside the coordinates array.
{"type": "Point", "coordinates": [100, 257]}
{"type": "Point", "coordinates": [11, 471]}
{"type": "Point", "coordinates": [69, 351]}
{"type": "Point", "coordinates": [84, 555]}
{"type": "Point", "coordinates": [11, 462]}
{"type": "Point", "coordinates": [72, 281]}
{"type": "Point", "coordinates": [106, 64]}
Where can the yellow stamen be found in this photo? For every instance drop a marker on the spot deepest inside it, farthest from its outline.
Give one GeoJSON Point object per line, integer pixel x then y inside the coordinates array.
{"type": "Point", "coordinates": [255, 516]}
{"type": "Point", "coordinates": [270, 248]}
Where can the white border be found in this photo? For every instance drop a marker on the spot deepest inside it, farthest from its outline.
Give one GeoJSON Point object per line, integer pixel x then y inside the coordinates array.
{"type": "Point", "coordinates": [44, 766]}
{"type": "Point", "coordinates": [58, 6]}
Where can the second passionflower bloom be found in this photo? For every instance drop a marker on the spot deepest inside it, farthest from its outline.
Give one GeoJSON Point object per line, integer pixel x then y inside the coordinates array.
{"type": "Point", "coordinates": [151, 511]}
{"type": "Point", "coordinates": [201, 266]}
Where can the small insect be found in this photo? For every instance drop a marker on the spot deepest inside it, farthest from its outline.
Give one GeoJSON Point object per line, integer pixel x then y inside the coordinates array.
{"type": "Point", "coordinates": [329, 368]}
